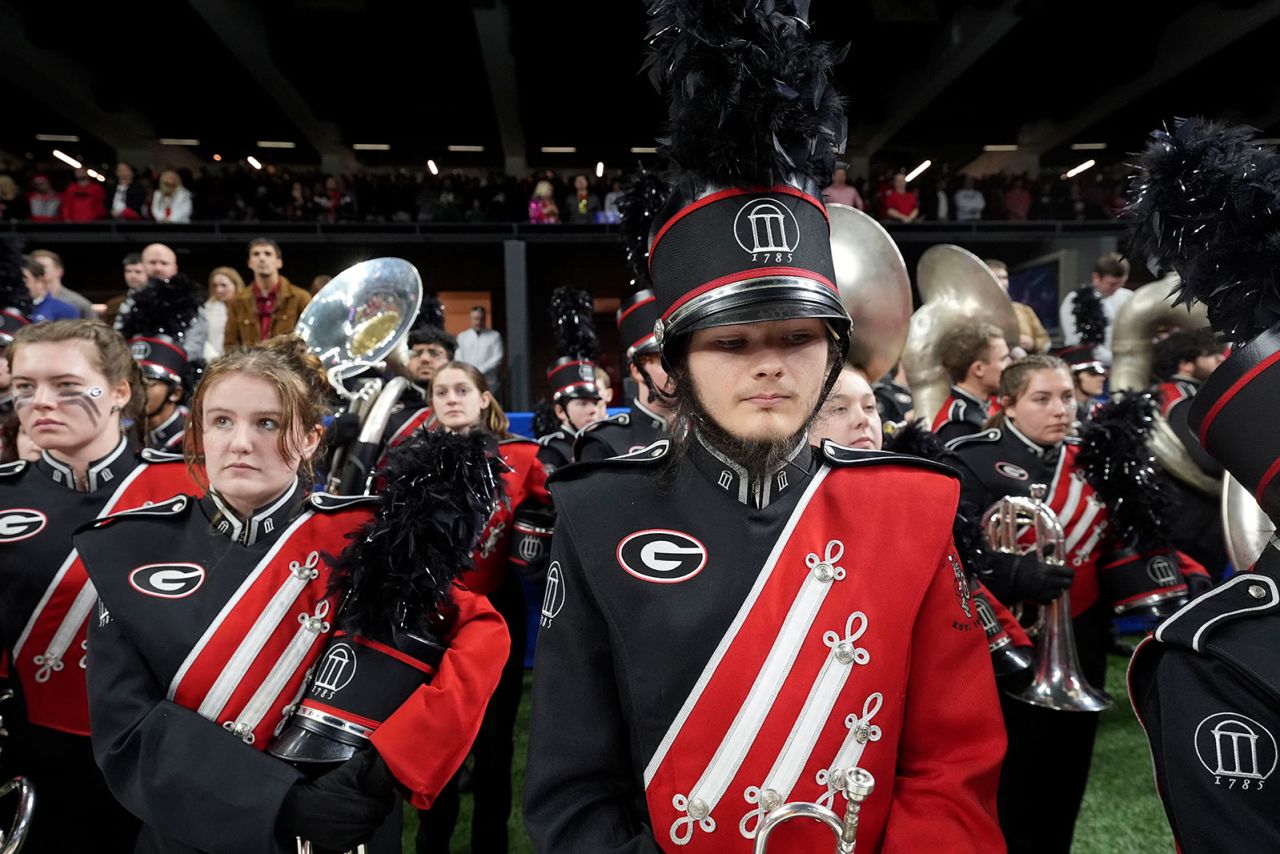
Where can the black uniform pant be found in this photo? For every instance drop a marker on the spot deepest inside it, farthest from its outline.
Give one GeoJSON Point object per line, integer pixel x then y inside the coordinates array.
{"type": "Point", "coordinates": [1046, 768]}
{"type": "Point", "coordinates": [492, 751]}
{"type": "Point", "coordinates": [74, 809]}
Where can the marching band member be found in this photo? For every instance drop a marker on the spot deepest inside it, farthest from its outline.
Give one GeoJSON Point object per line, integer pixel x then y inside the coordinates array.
{"type": "Point", "coordinates": [575, 394]}
{"type": "Point", "coordinates": [1047, 765]}
{"type": "Point", "coordinates": [73, 382]}
{"type": "Point", "coordinates": [1205, 685]}
{"type": "Point", "coordinates": [212, 611]}
{"type": "Point", "coordinates": [973, 355]}
{"type": "Point", "coordinates": [516, 537]}
{"type": "Point", "coordinates": [716, 637]}
{"type": "Point", "coordinates": [1088, 376]}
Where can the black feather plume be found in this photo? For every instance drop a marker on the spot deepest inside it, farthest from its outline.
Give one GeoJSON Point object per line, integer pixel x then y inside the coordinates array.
{"type": "Point", "coordinates": [1091, 319]}
{"type": "Point", "coordinates": [431, 313]}
{"type": "Point", "coordinates": [573, 327]}
{"type": "Point", "coordinates": [1206, 203]}
{"type": "Point", "coordinates": [914, 439]}
{"type": "Point", "coordinates": [751, 98]}
{"type": "Point", "coordinates": [545, 421]}
{"type": "Point", "coordinates": [1118, 464]}
{"type": "Point", "coordinates": [441, 490]}
{"type": "Point", "coordinates": [642, 199]}
{"type": "Point", "coordinates": [162, 307]}
{"type": "Point", "coordinates": [14, 294]}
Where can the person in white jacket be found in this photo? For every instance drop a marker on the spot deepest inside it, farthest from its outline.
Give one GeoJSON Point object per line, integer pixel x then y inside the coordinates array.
{"type": "Point", "coordinates": [224, 284]}
{"type": "Point", "coordinates": [171, 202]}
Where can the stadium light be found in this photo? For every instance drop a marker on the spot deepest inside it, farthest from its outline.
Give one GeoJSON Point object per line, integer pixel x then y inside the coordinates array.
{"type": "Point", "coordinates": [371, 146]}
{"type": "Point", "coordinates": [270, 143]}
{"type": "Point", "coordinates": [474, 149]}
{"type": "Point", "coordinates": [96, 175]}
{"type": "Point", "coordinates": [254, 162]}
{"type": "Point", "coordinates": [558, 149]}
{"type": "Point", "coordinates": [1088, 164]}
{"type": "Point", "coordinates": [599, 168]}
{"type": "Point", "coordinates": [1088, 146]}
{"type": "Point", "coordinates": [1000, 148]}
{"type": "Point", "coordinates": [918, 171]}
{"type": "Point", "coordinates": [168, 140]}
{"type": "Point", "coordinates": [57, 137]}
{"type": "Point", "coordinates": [67, 159]}
{"type": "Point", "coordinates": [431, 164]}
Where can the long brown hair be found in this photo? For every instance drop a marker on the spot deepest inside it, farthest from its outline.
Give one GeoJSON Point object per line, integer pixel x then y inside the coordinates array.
{"type": "Point", "coordinates": [492, 418]}
{"type": "Point", "coordinates": [109, 354]}
{"type": "Point", "coordinates": [1016, 378]}
{"type": "Point", "coordinates": [297, 377]}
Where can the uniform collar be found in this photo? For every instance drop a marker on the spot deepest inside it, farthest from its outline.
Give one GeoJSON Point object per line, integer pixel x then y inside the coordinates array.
{"type": "Point", "coordinates": [1049, 454]}
{"type": "Point", "coordinates": [107, 471]}
{"type": "Point", "coordinates": [956, 391]}
{"type": "Point", "coordinates": [639, 411]}
{"type": "Point", "coordinates": [269, 519]}
{"type": "Point", "coordinates": [1183, 378]}
{"type": "Point", "coordinates": [734, 479]}
{"type": "Point", "coordinates": [160, 436]}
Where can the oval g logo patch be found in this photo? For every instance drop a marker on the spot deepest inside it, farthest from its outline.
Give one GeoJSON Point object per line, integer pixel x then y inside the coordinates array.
{"type": "Point", "coordinates": [661, 556]}
{"type": "Point", "coordinates": [1010, 470]}
{"type": "Point", "coordinates": [20, 523]}
{"type": "Point", "coordinates": [167, 580]}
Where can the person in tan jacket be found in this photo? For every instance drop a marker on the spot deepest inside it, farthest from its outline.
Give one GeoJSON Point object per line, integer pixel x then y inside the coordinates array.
{"type": "Point", "coordinates": [270, 306]}
{"type": "Point", "coordinates": [1032, 337]}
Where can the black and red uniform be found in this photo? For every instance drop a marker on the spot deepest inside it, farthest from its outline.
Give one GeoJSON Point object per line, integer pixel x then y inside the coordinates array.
{"type": "Point", "coordinates": [961, 414]}
{"type": "Point", "coordinates": [203, 641]}
{"type": "Point", "coordinates": [517, 537]}
{"type": "Point", "coordinates": [46, 602]}
{"type": "Point", "coordinates": [1047, 766]}
{"type": "Point", "coordinates": [712, 644]}
{"type": "Point", "coordinates": [624, 433]}
{"type": "Point", "coordinates": [1195, 518]}
{"type": "Point", "coordinates": [167, 436]}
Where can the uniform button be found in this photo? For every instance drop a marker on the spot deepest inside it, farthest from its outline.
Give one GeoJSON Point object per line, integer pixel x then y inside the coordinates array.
{"type": "Point", "coordinates": [698, 809]}
{"type": "Point", "coordinates": [1257, 591]}
{"type": "Point", "coordinates": [862, 734]}
{"type": "Point", "coordinates": [770, 799]}
{"type": "Point", "coordinates": [844, 652]}
{"type": "Point", "coordinates": [824, 572]}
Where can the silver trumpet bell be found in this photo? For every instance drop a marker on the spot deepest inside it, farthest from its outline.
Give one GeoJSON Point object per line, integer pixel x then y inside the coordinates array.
{"type": "Point", "coordinates": [1057, 682]}
{"type": "Point", "coordinates": [857, 785]}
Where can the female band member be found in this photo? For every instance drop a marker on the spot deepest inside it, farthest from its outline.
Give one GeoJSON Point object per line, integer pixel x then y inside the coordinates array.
{"type": "Point", "coordinates": [73, 382]}
{"type": "Point", "coordinates": [1045, 770]}
{"type": "Point", "coordinates": [213, 610]}
{"type": "Point", "coordinates": [515, 536]}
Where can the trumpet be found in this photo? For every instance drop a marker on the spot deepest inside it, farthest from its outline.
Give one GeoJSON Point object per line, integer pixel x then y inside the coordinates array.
{"type": "Point", "coordinates": [1057, 682]}
{"type": "Point", "coordinates": [856, 784]}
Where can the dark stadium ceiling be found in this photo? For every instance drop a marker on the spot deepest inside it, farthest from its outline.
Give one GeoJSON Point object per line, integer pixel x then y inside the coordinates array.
{"type": "Point", "coordinates": [937, 79]}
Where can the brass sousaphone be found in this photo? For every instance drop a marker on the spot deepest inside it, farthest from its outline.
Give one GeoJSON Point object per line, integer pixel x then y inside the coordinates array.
{"type": "Point", "coordinates": [353, 325]}
{"type": "Point", "coordinates": [956, 287]}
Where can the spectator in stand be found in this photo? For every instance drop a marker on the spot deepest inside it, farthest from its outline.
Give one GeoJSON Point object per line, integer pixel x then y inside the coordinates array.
{"type": "Point", "coordinates": [224, 284]}
{"type": "Point", "coordinates": [334, 202]}
{"type": "Point", "coordinates": [542, 207]}
{"type": "Point", "coordinates": [841, 192]}
{"type": "Point", "coordinates": [134, 277]}
{"type": "Point", "coordinates": [582, 204]}
{"type": "Point", "coordinates": [612, 198]}
{"type": "Point", "coordinates": [171, 201]}
{"type": "Point", "coordinates": [128, 197]}
{"type": "Point", "coordinates": [53, 273]}
{"type": "Point", "coordinates": [1032, 337]}
{"type": "Point", "coordinates": [13, 207]}
{"type": "Point", "coordinates": [1017, 201]}
{"type": "Point", "coordinates": [161, 262]}
{"type": "Point", "coordinates": [969, 201]}
{"type": "Point", "coordinates": [45, 307]}
{"type": "Point", "coordinates": [901, 204]}
{"type": "Point", "coordinates": [481, 346]}
{"type": "Point", "coordinates": [84, 199]}
{"type": "Point", "coordinates": [300, 207]}
{"type": "Point", "coordinates": [270, 306]}
{"type": "Point", "coordinates": [42, 202]}
{"type": "Point", "coordinates": [1110, 275]}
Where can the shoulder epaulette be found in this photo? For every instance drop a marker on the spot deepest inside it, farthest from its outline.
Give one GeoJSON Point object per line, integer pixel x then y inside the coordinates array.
{"type": "Point", "coordinates": [517, 440]}
{"type": "Point", "coordinates": [168, 508]}
{"type": "Point", "coordinates": [328, 502]}
{"type": "Point", "coordinates": [13, 469]}
{"type": "Point", "coordinates": [550, 437]}
{"type": "Point", "coordinates": [646, 455]}
{"type": "Point", "coordinates": [151, 455]}
{"type": "Point", "coordinates": [991, 435]}
{"type": "Point", "coordinates": [622, 419]}
{"type": "Point", "coordinates": [845, 457]}
{"type": "Point", "coordinates": [1249, 594]}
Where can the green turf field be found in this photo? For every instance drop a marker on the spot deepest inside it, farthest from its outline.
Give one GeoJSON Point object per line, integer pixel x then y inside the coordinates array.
{"type": "Point", "coordinates": [1121, 813]}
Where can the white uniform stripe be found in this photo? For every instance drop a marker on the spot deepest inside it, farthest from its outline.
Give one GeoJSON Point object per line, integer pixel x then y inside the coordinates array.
{"type": "Point", "coordinates": [294, 654]}
{"type": "Point", "coordinates": [1082, 527]}
{"type": "Point", "coordinates": [1073, 500]}
{"type": "Point", "coordinates": [731, 635]}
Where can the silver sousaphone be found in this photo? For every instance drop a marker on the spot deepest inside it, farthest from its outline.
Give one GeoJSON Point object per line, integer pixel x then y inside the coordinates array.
{"type": "Point", "coordinates": [353, 325]}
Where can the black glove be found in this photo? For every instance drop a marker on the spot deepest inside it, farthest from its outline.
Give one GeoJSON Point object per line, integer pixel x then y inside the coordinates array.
{"type": "Point", "coordinates": [342, 808]}
{"type": "Point", "coordinates": [1197, 584]}
{"type": "Point", "coordinates": [1013, 578]}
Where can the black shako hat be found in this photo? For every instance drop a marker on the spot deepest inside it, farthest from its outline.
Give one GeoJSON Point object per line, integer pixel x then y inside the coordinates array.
{"type": "Point", "coordinates": [754, 124]}
{"type": "Point", "coordinates": [1081, 358]}
{"type": "Point", "coordinates": [156, 324]}
{"type": "Point", "coordinates": [573, 373]}
{"type": "Point", "coordinates": [636, 317]}
{"type": "Point", "coordinates": [1207, 204]}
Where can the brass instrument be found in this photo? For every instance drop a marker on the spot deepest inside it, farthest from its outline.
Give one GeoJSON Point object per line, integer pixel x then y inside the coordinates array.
{"type": "Point", "coordinates": [353, 325]}
{"type": "Point", "coordinates": [1133, 336]}
{"type": "Point", "coordinates": [874, 287]}
{"type": "Point", "coordinates": [304, 847]}
{"type": "Point", "coordinates": [1057, 682]}
{"type": "Point", "coordinates": [956, 287]}
{"type": "Point", "coordinates": [856, 784]}
{"type": "Point", "coordinates": [11, 842]}
{"type": "Point", "coordinates": [1248, 528]}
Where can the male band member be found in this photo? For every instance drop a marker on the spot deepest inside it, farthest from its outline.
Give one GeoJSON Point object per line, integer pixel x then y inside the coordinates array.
{"type": "Point", "coordinates": [894, 401]}
{"type": "Point", "coordinates": [973, 355]}
{"type": "Point", "coordinates": [717, 635]}
{"type": "Point", "coordinates": [1206, 685]}
{"type": "Point", "coordinates": [651, 410]}
{"type": "Point", "coordinates": [1088, 376]}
